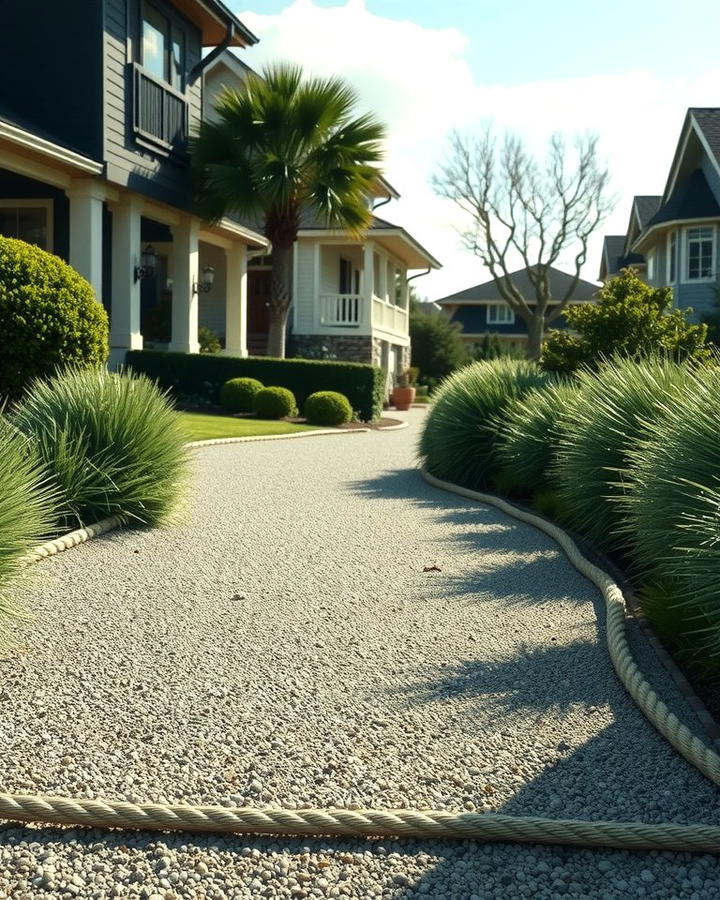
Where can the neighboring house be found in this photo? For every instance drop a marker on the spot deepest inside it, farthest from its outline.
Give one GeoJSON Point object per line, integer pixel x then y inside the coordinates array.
{"type": "Point", "coordinates": [94, 164]}
{"type": "Point", "coordinates": [677, 245]}
{"type": "Point", "coordinates": [350, 296]}
{"type": "Point", "coordinates": [617, 249]}
{"type": "Point", "coordinates": [481, 310]}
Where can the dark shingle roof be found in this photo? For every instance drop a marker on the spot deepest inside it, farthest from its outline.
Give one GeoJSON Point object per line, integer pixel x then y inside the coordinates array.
{"type": "Point", "coordinates": [692, 199]}
{"type": "Point", "coordinates": [559, 284]}
{"type": "Point", "coordinates": [708, 119]}
{"type": "Point", "coordinates": [646, 206]}
{"type": "Point", "coordinates": [613, 247]}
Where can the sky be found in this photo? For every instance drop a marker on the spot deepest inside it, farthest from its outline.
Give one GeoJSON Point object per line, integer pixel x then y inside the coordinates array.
{"type": "Point", "coordinates": [626, 70]}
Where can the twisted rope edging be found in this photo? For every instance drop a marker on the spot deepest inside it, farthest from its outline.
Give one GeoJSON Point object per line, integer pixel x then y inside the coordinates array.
{"type": "Point", "coordinates": [417, 823]}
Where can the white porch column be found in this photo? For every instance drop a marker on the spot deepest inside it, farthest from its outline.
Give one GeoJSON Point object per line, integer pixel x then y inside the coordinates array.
{"type": "Point", "coordinates": [236, 301]}
{"type": "Point", "coordinates": [184, 274]}
{"type": "Point", "coordinates": [86, 230]}
{"type": "Point", "coordinates": [383, 272]}
{"type": "Point", "coordinates": [368, 281]}
{"type": "Point", "coordinates": [125, 314]}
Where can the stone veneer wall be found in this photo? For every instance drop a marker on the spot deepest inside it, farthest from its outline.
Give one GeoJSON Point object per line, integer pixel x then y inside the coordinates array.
{"type": "Point", "coordinates": [345, 347]}
{"type": "Point", "coordinates": [405, 358]}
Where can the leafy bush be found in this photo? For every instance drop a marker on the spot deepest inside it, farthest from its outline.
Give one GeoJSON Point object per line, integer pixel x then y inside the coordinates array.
{"type": "Point", "coordinates": [49, 317]}
{"type": "Point", "coordinates": [528, 436]}
{"type": "Point", "coordinates": [328, 408]}
{"type": "Point", "coordinates": [111, 443]}
{"type": "Point", "coordinates": [612, 410]}
{"type": "Point", "coordinates": [436, 346]}
{"type": "Point", "coordinates": [458, 442]}
{"type": "Point", "coordinates": [274, 403]}
{"type": "Point", "coordinates": [198, 374]}
{"type": "Point", "coordinates": [238, 394]}
{"type": "Point", "coordinates": [26, 512]}
{"type": "Point", "coordinates": [208, 340]}
{"type": "Point", "coordinates": [673, 506]}
{"type": "Point", "coordinates": [630, 319]}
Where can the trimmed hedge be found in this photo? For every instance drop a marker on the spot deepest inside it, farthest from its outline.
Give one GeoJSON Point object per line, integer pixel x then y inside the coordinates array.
{"type": "Point", "coordinates": [203, 375]}
{"type": "Point", "coordinates": [49, 317]}
{"type": "Point", "coordinates": [274, 403]}
{"type": "Point", "coordinates": [328, 408]}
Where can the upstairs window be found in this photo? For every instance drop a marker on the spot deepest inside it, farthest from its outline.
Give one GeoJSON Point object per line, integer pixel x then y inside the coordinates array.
{"type": "Point", "coordinates": [672, 257]}
{"type": "Point", "coordinates": [349, 277]}
{"type": "Point", "coordinates": [651, 266]}
{"type": "Point", "coordinates": [163, 47]}
{"type": "Point", "coordinates": [500, 314]}
{"type": "Point", "coordinates": [700, 253]}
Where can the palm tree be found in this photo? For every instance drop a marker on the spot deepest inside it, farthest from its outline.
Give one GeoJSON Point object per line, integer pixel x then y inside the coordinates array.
{"type": "Point", "coordinates": [283, 144]}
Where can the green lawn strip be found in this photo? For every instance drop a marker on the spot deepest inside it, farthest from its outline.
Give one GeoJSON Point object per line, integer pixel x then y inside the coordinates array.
{"type": "Point", "coordinates": [201, 427]}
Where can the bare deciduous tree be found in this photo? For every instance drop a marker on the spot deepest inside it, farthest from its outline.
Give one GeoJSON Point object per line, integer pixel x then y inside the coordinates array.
{"type": "Point", "coordinates": [520, 209]}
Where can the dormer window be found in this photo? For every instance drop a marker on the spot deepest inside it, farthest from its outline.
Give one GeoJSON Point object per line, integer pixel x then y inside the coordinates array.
{"type": "Point", "coordinates": [700, 248]}
{"type": "Point", "coordinates": [163, 47]}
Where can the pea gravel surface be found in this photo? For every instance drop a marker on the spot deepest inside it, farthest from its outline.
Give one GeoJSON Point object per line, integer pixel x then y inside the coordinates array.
{"type": "Point", "coordinates": [325, 629]}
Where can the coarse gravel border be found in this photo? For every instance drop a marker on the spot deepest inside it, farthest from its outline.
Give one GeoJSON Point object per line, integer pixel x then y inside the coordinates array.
{"type": "Point", "coordinates": [414, 823]}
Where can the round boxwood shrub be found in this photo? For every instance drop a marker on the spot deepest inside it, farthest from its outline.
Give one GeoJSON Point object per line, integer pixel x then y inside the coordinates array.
{"type": "Point", "coordinates": [274, 403]}
{"type": "Point", "coordinates": [27, 513]}
{"type": "Point", "coordinates": [328, 408]}
{"type": "Point", "coordinates": [49, 317]}
{"type": "Point", "coordinates": [458, 442]}
{"type": "Point", "coordinates": [111, 443]}
{"type": "Point", "coordinates": [238, 394]}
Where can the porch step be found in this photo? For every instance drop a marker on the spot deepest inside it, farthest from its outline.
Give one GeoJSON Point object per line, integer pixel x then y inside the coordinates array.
{"type": "Point", "coordinates": [257, 344]}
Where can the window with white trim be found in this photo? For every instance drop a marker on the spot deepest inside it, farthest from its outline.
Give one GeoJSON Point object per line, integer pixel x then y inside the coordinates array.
{"type": "Point", "coordinates": [700, 253]}
{"type": "Point", "coordinates": [672, 257]}
{"type": "Point", "coordinates": [28, 220]}
{"type": "Point", "coordinates": [500, 314]}
{"type": "Point", "coordinates": [651, 266]}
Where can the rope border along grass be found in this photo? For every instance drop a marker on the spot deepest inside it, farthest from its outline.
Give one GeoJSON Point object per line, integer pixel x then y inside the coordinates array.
{"type": "Point", "coordinates": [429, 823]}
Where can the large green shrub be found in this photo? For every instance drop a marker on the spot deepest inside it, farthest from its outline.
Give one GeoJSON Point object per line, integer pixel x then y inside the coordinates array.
{"type": "Point", "coordinates": [436, 346]}
{"type": "Point", "coordinates": [203, 375]}
{"type": "Point", "coordinates": [328, 408]}
{"type": "Point", "coordinates": [274, 403]}
{"type": "Point", "coordinates": [459, 439]}
{"type": "Point", "coordinates": [49, 317]}
{"type": "Point", "coordinates": [26, 512]}
{"type": "Point", "coordinates": [238, 394]}
{"type": "Point", "coordinates": [630, 319]}
{"type": "Point", "coordinates": [613, 409]}
{"type": "Point", "coordinates": [673, 505]}
{"type": "Point", "coordinates": [111, 443]}
{"type": "Point", "coordinates": [528, 433]}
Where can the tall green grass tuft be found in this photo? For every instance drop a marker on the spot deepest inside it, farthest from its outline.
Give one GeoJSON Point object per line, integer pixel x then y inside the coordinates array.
{"type": "Point", "coordinates": [614, 409]}
{"type": "Point", "coordinates": [673, 506]}
{"type": "Point", "coordinates": [111, 443]}
{"type": "Point", "coordinates": [458, 442]}
{"type": "Point", "coordinates": [26, 514]}
{"type": "Point", "coordinates": [528, 433]}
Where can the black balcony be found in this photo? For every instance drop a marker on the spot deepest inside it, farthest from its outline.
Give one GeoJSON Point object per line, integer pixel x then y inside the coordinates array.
{"type": "Point", "coordinates": [161, 113]}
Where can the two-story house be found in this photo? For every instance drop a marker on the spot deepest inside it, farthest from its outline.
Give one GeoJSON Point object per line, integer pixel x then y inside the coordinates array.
{"type": "Point", "coordinates": [480, 309]}
{"type": "Point", "coordinates": [94, 163]}
{"type": "Point", "coordinates": [677, 244]}
{"type": "Point", "coordinates": [350, 296]}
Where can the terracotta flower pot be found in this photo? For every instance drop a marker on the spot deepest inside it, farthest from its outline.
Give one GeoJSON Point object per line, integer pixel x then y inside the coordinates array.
{"type": "Point", "coordinates": [403, 397]}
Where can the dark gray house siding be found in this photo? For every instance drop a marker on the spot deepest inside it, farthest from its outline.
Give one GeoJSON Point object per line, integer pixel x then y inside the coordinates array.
{"type": "Point", "coordinates": [474, 322]}
{"type": "Point", "coordinates": [133, 161]}
{"type": "Point", "coordinates": [51, 70]}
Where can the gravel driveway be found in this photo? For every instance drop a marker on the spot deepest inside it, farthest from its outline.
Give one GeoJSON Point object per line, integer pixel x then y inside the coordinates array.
{"type": "Point", "coordinates": [285, 647]}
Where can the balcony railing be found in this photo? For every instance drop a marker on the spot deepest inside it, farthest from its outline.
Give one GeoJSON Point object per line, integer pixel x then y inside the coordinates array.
{"type": "Point", "coordinates": [341, 310]}
{"type": "Point", "coordinates": [161, 112]}
{"type": "Point", "coordinates": [389, 317]}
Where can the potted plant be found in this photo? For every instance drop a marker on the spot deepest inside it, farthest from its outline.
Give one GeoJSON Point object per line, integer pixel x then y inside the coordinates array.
{"type": "Point", "coordinates": [403, 395]}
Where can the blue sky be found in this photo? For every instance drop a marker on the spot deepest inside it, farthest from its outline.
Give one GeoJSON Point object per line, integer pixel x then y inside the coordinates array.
{"type": "Point", "coordinates": [625, 70]}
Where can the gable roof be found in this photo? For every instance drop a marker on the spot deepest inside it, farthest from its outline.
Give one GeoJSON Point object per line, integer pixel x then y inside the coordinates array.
{"type": "Point", "coordinates": [708, 122]}
{"type": "Point", "coordinates": [646, 206]}
{"type": "Point", "coordinates": [559, 285]}
{"type": "Point", "coordinates": [692, 200]}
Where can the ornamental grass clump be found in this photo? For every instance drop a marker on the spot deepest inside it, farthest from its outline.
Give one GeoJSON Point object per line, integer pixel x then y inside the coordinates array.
{"type": "Point", "coordinates": [459, 440]}
{"type": "Point", "coordinates": [111, 443]}
{"type": "Point", "coordinates": [673, 506]}
{"type": "Point", "coordinates": [328, 408]}
{"type": "Point", "coordinates": [27, 514]}
{"type": "Point", "coordinates": [238, 394]}
{"type": "Point", "coordinates": [528, 433]}
{"type": "Point", "coordinates": [615, 407]}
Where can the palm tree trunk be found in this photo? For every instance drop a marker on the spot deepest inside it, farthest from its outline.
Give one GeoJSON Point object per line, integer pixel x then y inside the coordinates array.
{"type": "Point", "coordinates": [280, 297]}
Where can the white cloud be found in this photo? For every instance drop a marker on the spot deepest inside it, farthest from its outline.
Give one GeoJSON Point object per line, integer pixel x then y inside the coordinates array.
{"type": "Point", "coordinates": [419, 81]}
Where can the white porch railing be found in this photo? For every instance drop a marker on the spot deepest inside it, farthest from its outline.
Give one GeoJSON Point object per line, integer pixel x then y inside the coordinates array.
{"type": "Point", "coordinates": [341, 310]}
{"type": "Point", "coordinates": [388, 317]}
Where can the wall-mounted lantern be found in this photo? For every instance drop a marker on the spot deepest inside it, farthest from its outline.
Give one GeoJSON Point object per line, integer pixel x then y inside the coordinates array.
{"type": "Point", "coordinates": [148, 264]}
{"type": "Point", "coordinates": [206, 280]}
